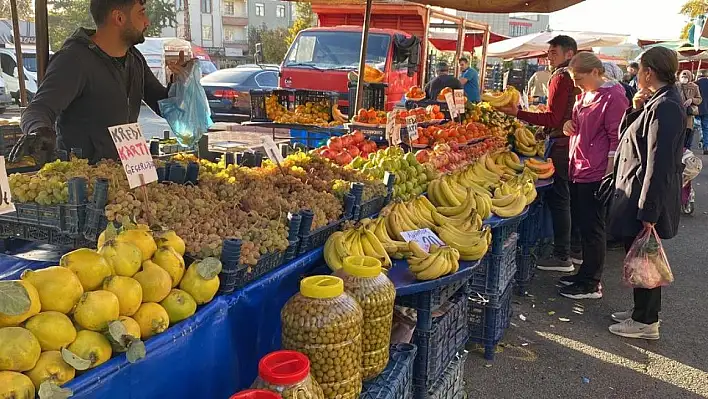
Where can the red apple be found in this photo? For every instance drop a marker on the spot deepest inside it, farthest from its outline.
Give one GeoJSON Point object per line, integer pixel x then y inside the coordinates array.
{"type": "Point", "coordinates": [329, 153]}
{"type": "Point", "coordinates": [358, 136]}
{"type": "Point", "coordinates": [335, 144]}
{"type": "Point", "coordinates": [347, 141]}
{"type": "Point", "coordinates": [343, 158]}
{"type": "Point", "coordinates": [422, 156]}
{"type": "Point", "coordinates": [353, 150]}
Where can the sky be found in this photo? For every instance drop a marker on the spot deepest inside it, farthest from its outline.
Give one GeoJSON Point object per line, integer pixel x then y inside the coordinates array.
{"type": "Point", "coordinates": [646, 19]}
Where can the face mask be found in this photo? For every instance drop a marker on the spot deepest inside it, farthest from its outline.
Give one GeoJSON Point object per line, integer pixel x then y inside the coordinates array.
{"type": "Point", "coordinates": [683, 80]}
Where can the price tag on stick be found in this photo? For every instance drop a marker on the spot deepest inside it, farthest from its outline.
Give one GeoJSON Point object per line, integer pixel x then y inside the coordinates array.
{"type": "Point", "coordinates": [450, 100]}
{"type": "Point", "coordinates": [272, 150]}
{"type": "Point", "coordinates": [5, 195]}
{"type": "Point", "coordinates": [134, 154]}
{"type": "Point", "coordinates": [390, 125]}
{"type": "Point", "coordinates": [459, 101]}
{"type": "Point", "coordinates": [424, 237]}
{"type": "Point", "coordinates": [412, 128]}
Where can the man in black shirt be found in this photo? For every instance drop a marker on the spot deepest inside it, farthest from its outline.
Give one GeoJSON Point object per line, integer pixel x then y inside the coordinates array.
{"type": "Point", "coordinates": [443, 80]}
{"type": "Point", "coordinates": [97, 80]}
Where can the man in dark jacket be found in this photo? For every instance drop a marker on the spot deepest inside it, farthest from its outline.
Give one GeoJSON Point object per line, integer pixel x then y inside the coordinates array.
{"type": "Point", "coordinates": [443, 80]}
{"type": "Point", "coordinates": [632, 70]}
{"type": "Point", "coordinates": [561, 97]}
{"type": "Point", "coordinates": [97, 80]}
{"type": "Point", "coordinates": [702, 83]}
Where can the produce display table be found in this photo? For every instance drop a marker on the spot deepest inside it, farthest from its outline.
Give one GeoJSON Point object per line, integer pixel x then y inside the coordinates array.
{"type": "Point", "coordinates": [213, 354]}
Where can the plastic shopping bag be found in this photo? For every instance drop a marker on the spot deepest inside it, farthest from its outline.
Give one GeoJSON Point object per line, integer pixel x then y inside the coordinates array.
{"type": "Point", "coordinates": [187, 109]}
{"type": "Point", "coordinates": [645, 265]}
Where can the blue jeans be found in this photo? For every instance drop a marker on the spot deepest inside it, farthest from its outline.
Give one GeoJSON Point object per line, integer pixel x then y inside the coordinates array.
{"type": "Point", "coordinates": [704, 129]}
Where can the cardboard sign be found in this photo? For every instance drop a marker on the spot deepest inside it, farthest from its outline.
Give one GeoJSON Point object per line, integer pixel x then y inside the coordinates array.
{"type": "Point", "coordinates": [5, 195]}
{"type": "Point", "coordinates": [450, 100]}
{"type": "Point", "coordinates": [412, 127]}
{"type": "Point", "coordinates": [459, 101]}
{"type": "Point", "coordinates": [424, 237]}
{"type": "Point", "coordinates": [134, 154]}
{"type": "Point", "coordinates": [390, 126]}
{"type": "Point", "coordinates": [271, 149]}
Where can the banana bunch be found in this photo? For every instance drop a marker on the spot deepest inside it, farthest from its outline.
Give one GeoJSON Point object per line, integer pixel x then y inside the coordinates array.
{"type": "Point", "coordinates": [407, 216]}
{"type": "Point", "coordinates": [338, 116]}
{"type": "Point", "coordinates": [510, 96]}
{"type": "Point", "coordinates": [544, 170]}
{"type": "Point", "coordinates": [394, 248]}
{"type": "Point", "coordinates": [525, 142]}
{"type": "Point", "coordinates": [439, 262]}
{"type": "Point", "coordinates": [509, 163]}
{"type": "Point", "coordinates": [359, 241]}
{"type": "Point", "coordinates": [472, 244]}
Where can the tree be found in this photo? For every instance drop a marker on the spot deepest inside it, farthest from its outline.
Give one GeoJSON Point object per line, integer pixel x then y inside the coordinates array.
{"type": "Point", "coordinates": [305, 19]}
{"type": "Point", "coordinates": [66, 16]}
{"type": "Point", "coordinates": [24, 10]}
{"type": "Point", "coordinates": [274, 45]}
{"type": "Point", "coordinates": [692, 9]}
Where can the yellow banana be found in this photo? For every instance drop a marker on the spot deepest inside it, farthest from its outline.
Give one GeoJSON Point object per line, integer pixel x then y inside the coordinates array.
{"type": "Point", "coordinates": [420, 264]}
{"type": "Point", "coordinates": [422, 212]}
{"type": "Point", "coordinates": [447, 194]}
{"type": "Point", "coordinates": [491, 166]}
{"type": "Point", "coordinates": [514, 165]}
{"type": "Point", "coordinates": [441, 220]}
{"type": "Point", "coordinates": [467, 252]}
{"type": "Point", "coordinates": [484, 173]}
{"type": "Point", "coordinates": [378, 248]}
{"type": "Point", "coordinates": [402, 211]}
{"type": "Point", "coordinates": [338, 245]}
{"type": "Point", "coordinates": [515, 158]}
{"type": "Point", "coordinates": [426, 203]}
{"type": "Point", "coordinates": [330, 253]}
{"type": "Point", "coordinates": [466, 240]}
{"type": "Point", "coordinates": [435, 270]}
{"type": "Point", "coordinates": [435, 193]}
{"type": "Point", "coordinates": [417, 250]}
{"type": "Point", "coordinates": [511, 210]}
{"type": "Point", "coordinates": [462, 208]}
{"type": "Point", "coordinates": [459, 191]}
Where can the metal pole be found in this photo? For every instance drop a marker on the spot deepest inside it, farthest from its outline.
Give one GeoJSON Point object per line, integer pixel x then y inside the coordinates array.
{"type": "Point", "coordinates": [460, 45]}
{"type": "Point", "coordinates": [424, 49]}
{"type": "Point", "coordinates": [362, 56]}
{"type": "Point", "coordinates": [41, 23]}
{"type": "Point", "coordinates": [18, 51]}
{"type": "Point", "coordinates": [483, 66]}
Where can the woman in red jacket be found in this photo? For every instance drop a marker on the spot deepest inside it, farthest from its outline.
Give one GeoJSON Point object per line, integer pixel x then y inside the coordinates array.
{"type": "Point", "coordinates": [593, 132]}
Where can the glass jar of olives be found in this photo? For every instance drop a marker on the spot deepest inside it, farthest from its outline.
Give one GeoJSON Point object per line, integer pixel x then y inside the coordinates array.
{"type": "Point", "coordinates": [325, 323]}
{"type": "Point", "coordinates": [364, 280]}
{"type": "Point", "coordinates": [288, 374]}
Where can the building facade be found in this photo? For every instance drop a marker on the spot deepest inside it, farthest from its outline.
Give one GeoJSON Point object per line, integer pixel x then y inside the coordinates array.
{"type": "Point", "coordinates": [512, 25]}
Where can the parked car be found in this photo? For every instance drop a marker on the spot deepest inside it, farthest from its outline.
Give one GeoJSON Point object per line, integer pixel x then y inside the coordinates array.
{"type": "Point", "coordinates": [5, 97]}
{"type": "Point", "coordinates": [228, 90]}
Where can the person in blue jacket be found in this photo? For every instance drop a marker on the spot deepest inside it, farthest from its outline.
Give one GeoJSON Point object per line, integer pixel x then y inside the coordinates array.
{"type": "Point", "coordinates": [469, 77]}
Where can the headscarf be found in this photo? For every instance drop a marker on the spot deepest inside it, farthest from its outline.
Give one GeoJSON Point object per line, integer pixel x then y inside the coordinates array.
{"type": "Point", "coordinates": [686, 73]}
{"type": "Point", "coordinates": [612, 71]}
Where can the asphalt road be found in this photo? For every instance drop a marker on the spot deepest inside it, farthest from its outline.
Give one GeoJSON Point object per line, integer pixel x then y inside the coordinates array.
{"type": "Point", "coordinates": [544, 357]}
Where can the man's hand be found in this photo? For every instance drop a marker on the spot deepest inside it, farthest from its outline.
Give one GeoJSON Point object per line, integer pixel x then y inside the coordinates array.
{"type": "Point", "coordinates": [510, 109]}
{"type": "Point", "coordinates": [647, 225]}
{"type": "Point", "coordinates": [181, 68]}
{"type": "Point", "coordinates": [40, 145]}
{"type": "Point", "coordinates": [569, 127]}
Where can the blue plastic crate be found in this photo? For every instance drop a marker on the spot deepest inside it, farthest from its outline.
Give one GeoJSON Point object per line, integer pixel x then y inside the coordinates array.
{"type": "Point", "coordinates": [311, 139]}
{"type": "Point", "coordinates": [530, 228]}
{"type": "Point", "coordinates": [451, 385]}
{"type": "Point", "coordinates": [369, 208]}
{"type": "Point", "coordinates": [232, 280]}
{"type": "Point", "coordinates": [74, 219]}
{"type": "Point", "coordinates": [487, 321]}
{"type": "Point", "coordinates": [396, 380]}
{"type": "Point", "coordinates": [292, 250]}
{"type": "Point", "coordinates": [40, 215]}
{"type": "Point", "coordinates": [495, 273]}
{"type": "Point", "coordinates": [430, 300]}
{"type": "Point", "coordinates": [525, 268]}
{"type": "Point", "coordinates": [437, 347]}
{"type": "Point", "coordinates": [501, 234]}
{"type": "Point", "coordinates": [317, 238]}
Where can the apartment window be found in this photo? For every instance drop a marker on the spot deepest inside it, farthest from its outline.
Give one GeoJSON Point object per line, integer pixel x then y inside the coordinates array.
{"type": "Point", "coordinates": [206, 6]}
{"type": "Point", "coordinates": [518, 30]}
{"type": "Point", "coordinates": [206, 32]}
{"type": "Point", "coordinates": [229, 8]}
{"type": "Point", "coordinates": [260, 10]}
{"type": "Point", "coordinates": [179, 4]}
{"type": "Point", "coordinates": [280, 11]}
{"type": "Point", "coordinates": [234, 34]}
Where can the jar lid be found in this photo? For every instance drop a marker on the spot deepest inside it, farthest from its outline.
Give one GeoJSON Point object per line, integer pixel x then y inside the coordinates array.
{"type": "Point", "coordinates": [284, 367]}
{"type": "Point", "coordinates": [321, 287]}
{"type": "Point", "coordinates": [256, 394]}
{"type": "Point", "coordinates": [362, 266]}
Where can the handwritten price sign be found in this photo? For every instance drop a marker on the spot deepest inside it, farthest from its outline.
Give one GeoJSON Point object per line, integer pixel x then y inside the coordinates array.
{"type": "Point", "coordinates": [459, 101]}
{"type": "Point", "coordinates": [450, 100]}
{"type": "Point", "coordinates": [424, 237]}
{"type": "Point", "coordinates": [134, 154]}
{"type": "Point", "coordinates": [272, 150]}
{"type": "Point", "coordinates": [412, 127]}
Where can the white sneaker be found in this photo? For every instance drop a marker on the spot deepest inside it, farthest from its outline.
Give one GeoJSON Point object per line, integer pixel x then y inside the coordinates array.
{"type": "Point", "coordinates": [622, 316]}
{"type": "Point", "coordinates": [634, 329]}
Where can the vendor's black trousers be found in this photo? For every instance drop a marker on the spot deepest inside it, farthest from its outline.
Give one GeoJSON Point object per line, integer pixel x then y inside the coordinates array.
{"type": "Point", "coordinates": [558, 199]}
{"type": "Point", "coordinates": [647, 302]}
{"type": "Point", "coordinates": [589, 216]}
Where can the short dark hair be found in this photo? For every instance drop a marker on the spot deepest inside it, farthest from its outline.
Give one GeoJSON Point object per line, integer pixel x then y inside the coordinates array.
{"type": "Point", "coordinates": [442, 67]}
{"type": "Point", "coordinates": [663, 61]}
{"type": "Point", "coordinates": [464, 59]}
{"type": "Point", "coordinates": [101, 9]}
{"type": "Point", "coordinates": [567, 43]}
{"type": "Point", "coordinates": [634, 65]}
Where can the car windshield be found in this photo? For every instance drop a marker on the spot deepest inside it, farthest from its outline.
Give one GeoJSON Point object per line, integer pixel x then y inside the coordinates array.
{"type": "Point", "coordinates": [337, 50]}
{"type": "Point", "coordinates": [207, 67]}
{"type": "Point", "coordinates": [231, 75]}
{"type": "Point", "coordinates": [29, 61]}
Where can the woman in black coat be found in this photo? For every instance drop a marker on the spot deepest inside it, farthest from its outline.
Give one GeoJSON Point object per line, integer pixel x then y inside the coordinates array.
{"type": "Point", "coordinates": [647, 176]}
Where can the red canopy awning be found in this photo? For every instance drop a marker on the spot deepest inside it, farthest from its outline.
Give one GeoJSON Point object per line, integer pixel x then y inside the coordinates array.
{"type": "Point", "coordinates": [448, 41]}
{"type": "Point", "coordinates": [200, 53]}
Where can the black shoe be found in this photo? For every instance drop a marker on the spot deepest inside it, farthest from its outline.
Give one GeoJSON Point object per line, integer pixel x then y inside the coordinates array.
{"type": "Point", "coordinates": [581, 291]}
{"type": "Point", "coordinates": [576, 257]}
{"type": "Point", "coordinates": [614, 244]}
{"type": "Point", "coordinates": [569, 280]}
{"type": "Point", "coordinates": [555, 264]}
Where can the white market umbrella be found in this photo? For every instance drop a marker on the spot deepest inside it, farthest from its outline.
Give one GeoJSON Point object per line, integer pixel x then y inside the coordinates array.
{"type": "Point", "coordinates": [538, 43]}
